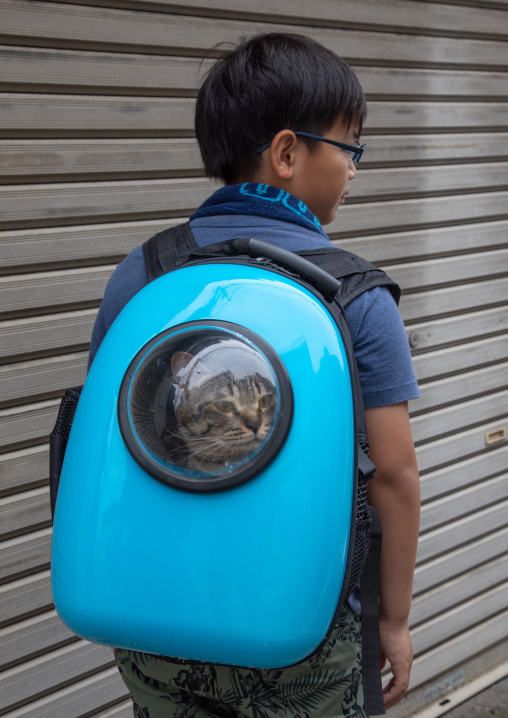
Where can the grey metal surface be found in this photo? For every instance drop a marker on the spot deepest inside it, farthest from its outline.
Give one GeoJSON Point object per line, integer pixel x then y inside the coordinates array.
{"type": "Point", "coordinates": [493, 701]}
{"type": "Point", "coordinates": [97, 154]}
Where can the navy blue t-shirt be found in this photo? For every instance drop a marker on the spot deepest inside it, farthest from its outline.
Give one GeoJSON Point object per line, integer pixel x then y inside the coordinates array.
{"type": "Point", "coordinates": [379, 339]}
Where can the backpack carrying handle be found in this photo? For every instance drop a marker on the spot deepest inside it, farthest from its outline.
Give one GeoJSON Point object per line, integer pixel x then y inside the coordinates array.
{"type": "Point", "coordinates": [321, 280]}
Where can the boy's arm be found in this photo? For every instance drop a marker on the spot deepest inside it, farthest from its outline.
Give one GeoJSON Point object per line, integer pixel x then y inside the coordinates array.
{"type": "Point", "coordinates": [395, 493]}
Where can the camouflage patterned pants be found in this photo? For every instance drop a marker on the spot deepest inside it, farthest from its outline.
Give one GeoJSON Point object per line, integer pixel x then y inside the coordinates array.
{"type": "Point", "coordinates": [327, 685]}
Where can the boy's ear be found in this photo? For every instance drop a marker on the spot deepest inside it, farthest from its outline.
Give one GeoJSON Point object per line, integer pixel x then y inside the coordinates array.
{"type": "Point", "coordinates": [282, 154]}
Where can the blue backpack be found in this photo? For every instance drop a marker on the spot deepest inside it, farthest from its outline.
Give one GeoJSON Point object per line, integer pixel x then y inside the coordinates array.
{"type": "Point", "coordinates": [212, 499]}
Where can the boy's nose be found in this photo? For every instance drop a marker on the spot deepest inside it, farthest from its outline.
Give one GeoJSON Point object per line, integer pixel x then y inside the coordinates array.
{"type": "Point", "coordinates": [352, 170]}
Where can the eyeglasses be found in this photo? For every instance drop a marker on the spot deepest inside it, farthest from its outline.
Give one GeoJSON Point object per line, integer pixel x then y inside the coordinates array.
{"type": "Point", "coordinates": [354, 152]}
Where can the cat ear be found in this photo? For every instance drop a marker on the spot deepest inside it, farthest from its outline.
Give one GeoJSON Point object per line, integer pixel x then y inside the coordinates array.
{"type": "Point", "coordinates": [179, 361]}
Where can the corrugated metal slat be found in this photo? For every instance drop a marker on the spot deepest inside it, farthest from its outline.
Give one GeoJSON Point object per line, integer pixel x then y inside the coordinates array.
{"type": "Point", "coordinates": [97, 154]}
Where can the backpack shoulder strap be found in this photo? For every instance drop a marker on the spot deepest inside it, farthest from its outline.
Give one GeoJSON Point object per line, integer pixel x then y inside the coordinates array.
{"type": "Point", "coordinates": [168, 249]}
{"type": "Point", "coordinates": [172, 247]}
{"type": "Point", "coordinates": [356, 275]}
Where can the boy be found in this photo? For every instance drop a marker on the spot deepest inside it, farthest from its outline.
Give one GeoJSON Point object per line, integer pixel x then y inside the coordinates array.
{"type": "Point", "coordinates": [278, 120]}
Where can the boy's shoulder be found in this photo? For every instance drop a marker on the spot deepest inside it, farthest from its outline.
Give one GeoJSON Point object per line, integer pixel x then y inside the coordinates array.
{"type": "Point", "coordinates": [127, 280]}
{"type": "Point", "coordinates": [130, 276]}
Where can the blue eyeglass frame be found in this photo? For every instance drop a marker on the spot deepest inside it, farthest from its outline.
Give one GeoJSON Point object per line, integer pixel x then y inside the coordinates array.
{"type": "Point", "coordinates": [356, 149]}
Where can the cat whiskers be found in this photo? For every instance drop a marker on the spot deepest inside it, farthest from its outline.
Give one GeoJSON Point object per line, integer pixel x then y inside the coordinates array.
{"type": "Point", "coordinates": [201, 446]}
{"type": "Point", "coordinates": [206, 447]}
{"type": "Point", "coordinates": [194, 439]}
{"type": "Point", "coordinates": [167, 433]}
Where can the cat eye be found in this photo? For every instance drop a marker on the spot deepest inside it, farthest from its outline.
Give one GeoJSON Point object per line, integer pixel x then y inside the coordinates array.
{"type": "Point", "coordinates": [266, 401]}
{"type": "Point", "coordinates": [224, 406]}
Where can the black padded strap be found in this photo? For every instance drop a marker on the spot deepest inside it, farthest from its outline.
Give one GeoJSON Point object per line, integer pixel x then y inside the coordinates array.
{"type": "Point", "coordinates": [371, 673]}
{"type": "Point", "coordinates": [337, 261]}
{"type": "Point", "coordinates": [357, 275]}
{"type": "Point", "coordinates": [365, 465]}
{"type": "Point", "coordinates": [168, 249]}
{"type": "Point", "coordinates": [172, 247]}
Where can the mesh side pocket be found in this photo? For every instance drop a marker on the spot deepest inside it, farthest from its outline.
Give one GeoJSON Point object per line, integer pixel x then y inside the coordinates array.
{"type": "Point", "coordinates": [66, 412]}
{"type": "Point", "coordinates": [361, 538]}
{"type": "Point", "coordinates": [362, 530]}
{"type": "Point", "coordinates": [58, 440]}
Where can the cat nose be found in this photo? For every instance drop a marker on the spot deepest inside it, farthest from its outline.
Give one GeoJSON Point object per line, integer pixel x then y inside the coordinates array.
{"type": "Point", "coordinates": [252, 422]}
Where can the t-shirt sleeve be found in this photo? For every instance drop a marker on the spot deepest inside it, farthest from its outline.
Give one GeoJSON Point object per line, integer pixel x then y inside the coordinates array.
{"type": "Point", "coordinates": [127, 280]}
{"type": "Point", "coordinates": [381, 348]}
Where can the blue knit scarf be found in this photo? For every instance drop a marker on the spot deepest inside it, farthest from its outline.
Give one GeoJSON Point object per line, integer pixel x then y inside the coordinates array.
{"type": "Point", "coordinates": [262, 200]}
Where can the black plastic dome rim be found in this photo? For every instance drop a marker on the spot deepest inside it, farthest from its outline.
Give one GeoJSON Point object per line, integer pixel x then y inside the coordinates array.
{"type": "Point", "coordinates": [248, 471]}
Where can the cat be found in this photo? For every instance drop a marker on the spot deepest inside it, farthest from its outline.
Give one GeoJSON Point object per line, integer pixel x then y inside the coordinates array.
{"type": "Point", "coordinates": [221, 420]}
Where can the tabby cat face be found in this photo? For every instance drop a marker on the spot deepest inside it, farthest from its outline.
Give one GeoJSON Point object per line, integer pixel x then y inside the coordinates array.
{"type": "Point", "coordinates": [225, 419]}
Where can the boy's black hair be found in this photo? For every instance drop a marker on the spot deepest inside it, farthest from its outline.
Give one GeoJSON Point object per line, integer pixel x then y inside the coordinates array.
{"type": "Point", "coordinates": [266, 84]}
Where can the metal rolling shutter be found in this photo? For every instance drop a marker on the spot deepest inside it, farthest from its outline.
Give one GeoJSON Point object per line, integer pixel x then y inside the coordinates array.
{"type": "Point", "coordinates": [97, 152]}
